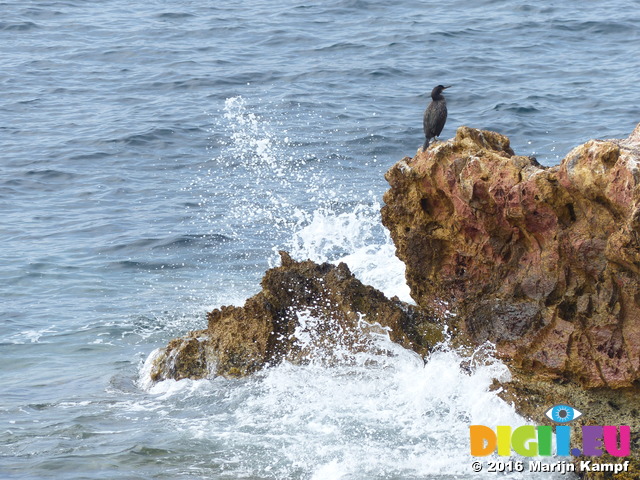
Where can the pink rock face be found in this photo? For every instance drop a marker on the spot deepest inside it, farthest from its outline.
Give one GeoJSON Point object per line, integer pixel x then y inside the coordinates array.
{"type": "Point", "coordinates": [544, 262]}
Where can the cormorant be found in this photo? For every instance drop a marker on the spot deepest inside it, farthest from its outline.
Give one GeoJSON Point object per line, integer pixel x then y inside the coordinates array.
{"type": "Point", "coordinates": [435, 115]}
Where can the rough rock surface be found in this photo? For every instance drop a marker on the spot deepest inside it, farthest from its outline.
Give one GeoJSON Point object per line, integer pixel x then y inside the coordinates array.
{"type": "Point", "coordinates": [303, 312]}
{"type": "Point", "coordinates": [544, 262]}
{"type": "Point", "coordinates": [599, 406]}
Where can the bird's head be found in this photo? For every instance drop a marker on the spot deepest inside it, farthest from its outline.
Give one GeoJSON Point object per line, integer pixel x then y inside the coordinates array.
{"type": "Point", "coordinates": [437, 91]}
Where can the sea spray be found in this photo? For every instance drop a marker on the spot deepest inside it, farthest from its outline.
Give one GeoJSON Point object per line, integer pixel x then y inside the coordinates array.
{"type": "Point", "coordinates": [369, 413]}
{"type": "Point", "coordinates": [356, 238]}
{"type": "Point", "coordinates": [269, 188]}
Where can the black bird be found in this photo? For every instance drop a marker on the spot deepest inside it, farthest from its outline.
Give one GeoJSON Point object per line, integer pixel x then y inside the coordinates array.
{"type": "Point", "coordinates": [435, 115]}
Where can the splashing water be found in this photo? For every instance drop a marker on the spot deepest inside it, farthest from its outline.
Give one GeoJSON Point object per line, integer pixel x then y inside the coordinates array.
{"type": "Point", "coordinates": [273, 192]}
{"type": "Point", "coordinates": [358, 239]}
{"type": "Point", "coordinates": [260, 177]}
{"type": "Point", "coordinates": [323, 233]}
{"type": "Point", "coordinates": [376, 414]}
{"type": "Point", "coordinates": [379, 412]}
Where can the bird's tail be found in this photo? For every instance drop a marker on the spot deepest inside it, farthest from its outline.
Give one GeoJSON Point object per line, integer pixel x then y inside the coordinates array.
{"type": "Point", "coordinates": [426, 144]}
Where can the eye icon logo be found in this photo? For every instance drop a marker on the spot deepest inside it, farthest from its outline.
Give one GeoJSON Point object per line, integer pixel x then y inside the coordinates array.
{"type": "Point", "coordinates": [563, 413]}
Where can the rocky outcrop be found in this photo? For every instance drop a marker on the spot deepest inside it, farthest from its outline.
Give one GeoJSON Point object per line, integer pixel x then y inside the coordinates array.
{"type": "Point", "coordinates": [305, 312]}
{"type": "Point", "coordinates": [544, 262]}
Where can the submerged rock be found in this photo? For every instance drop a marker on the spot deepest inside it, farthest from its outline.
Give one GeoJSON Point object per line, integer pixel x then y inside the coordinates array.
{"type": "Point", "coordinates": [544, 262]}
{"type": "Point", "coordinates": [304, 312]}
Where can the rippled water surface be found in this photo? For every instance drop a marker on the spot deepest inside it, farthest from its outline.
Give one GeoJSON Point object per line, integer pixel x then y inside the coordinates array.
{"type": "Point", "coordinates": [156, 155]}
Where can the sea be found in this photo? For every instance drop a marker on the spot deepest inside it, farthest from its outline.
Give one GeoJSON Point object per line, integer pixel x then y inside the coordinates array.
{"type": "Point", "coordinates": [155, 156]}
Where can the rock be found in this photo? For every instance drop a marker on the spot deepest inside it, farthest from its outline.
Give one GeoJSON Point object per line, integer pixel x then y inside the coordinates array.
{"type": "Point", "coordinates": [599, 406]}
{"type": "Point", "coordinates": [185, 357]}
{"type": "Point", "coordinates": [305, 312]}
{"type": "Point", "coordinates": [544, 262]}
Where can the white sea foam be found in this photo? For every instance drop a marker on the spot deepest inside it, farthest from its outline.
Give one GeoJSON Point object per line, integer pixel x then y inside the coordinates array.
{"type": "Point", "coordinates": [384, 413]}
{"type": "Point", "coordinates": [31, 335]}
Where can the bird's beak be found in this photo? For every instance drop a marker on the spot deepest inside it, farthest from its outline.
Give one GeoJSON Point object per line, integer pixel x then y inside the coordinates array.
{"type": "Point", "coordinates": [448, 87]}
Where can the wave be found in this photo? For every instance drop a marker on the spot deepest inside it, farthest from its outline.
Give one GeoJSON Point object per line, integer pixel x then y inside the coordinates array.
{"type": "Point", "coordinates": [18, 26]}
{"type": "Point", "coordinates": [383, 413]}
{"type": "Point", "coordinates": [169, 243]}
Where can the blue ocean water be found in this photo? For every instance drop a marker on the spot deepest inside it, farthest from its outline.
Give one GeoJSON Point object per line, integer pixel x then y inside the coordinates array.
{"type": "Point", "coordinates": [156, 155]}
